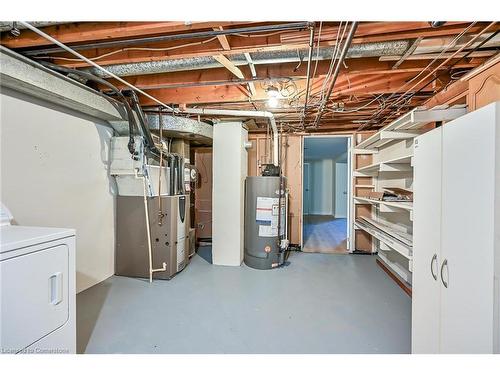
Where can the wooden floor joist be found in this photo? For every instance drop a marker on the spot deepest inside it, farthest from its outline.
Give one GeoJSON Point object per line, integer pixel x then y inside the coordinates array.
{"type": "Point", "coordinates": [366, 87]}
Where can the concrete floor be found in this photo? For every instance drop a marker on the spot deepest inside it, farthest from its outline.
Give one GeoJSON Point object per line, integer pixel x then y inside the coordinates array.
{"type": "Point", "coordinates": [325, 234]}
{"type": "Point", "coordinates": [319, 303]}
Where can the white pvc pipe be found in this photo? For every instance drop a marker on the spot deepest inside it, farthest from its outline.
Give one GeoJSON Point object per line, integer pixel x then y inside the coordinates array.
{"type": "Point", "coordinates": [148, 229]}
{"type": "Point", "coordinates": [206, 111]}
{"type": "Point", "coordinates": [238, 113]}
{"type": "Point", "coordinates": [88, 61]}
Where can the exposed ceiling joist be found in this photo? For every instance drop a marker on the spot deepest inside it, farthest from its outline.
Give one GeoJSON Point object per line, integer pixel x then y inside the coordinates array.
{"type": "Point", "coordinates": [214, 64]}
{"type": "Point", "coordinates": [79, 32]}
{"type": "Point", "coordinates": [222, 39]}
{"type": "Point", "coordinates": [408, 52]}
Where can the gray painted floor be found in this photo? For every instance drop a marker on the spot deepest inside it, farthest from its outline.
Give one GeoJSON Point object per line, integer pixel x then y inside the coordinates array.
{"type": "Point", "coordinates": [319, 303]}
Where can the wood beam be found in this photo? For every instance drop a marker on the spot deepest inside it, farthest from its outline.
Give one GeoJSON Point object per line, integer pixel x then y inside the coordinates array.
{"type": "Point", "coordinates": [229, 66]}
{"type": "Point", "coordinates": [408, 52]}
{"type": "Point", "coordinates": [79, 32]}
{"type": "Point", "coordinates": [222, 39]}
{"type": "Point", "coordinates": [440, 56]}
{"type": "Point", "coordinates": [365, 85]}
{"type": "Point", "coordinates": [387, 31]}
{"type": "Point", "coordinates": [222, 76]}
{"type": "Point", "coordinates": [239, 45]}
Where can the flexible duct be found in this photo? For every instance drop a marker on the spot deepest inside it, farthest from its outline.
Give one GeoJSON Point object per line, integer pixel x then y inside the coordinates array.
{"type": "Point", "coordinates": [376, 49]}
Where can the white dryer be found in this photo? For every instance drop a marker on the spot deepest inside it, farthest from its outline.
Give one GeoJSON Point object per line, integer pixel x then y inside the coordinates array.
{"type": "Point", "coordinates": [37, 290]}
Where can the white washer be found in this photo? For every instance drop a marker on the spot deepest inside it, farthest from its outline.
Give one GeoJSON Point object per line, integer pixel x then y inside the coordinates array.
{"type": "Point", "coordinates": [37, 290]}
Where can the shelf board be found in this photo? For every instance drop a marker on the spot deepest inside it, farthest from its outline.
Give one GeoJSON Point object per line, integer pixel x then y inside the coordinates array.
{"type": "Point", "coordinates": [400, 271]}
{"type": "Point", "coordinates": [401, 164]}
{"type": "Point", "coordinates": [408, 125]}
{"type": "Point", "coordinates": [407, 206]}
{"type": "Point", "coordinates": [365, 186]}
{"type": "Point", "coordinates": [386, 236]}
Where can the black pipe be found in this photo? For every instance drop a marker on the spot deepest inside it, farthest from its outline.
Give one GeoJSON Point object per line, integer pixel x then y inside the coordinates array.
{"type": "Point", "coordinates": [171, 185]}
{"type": "Point", "coordinates": [163, 38]}
{"type": "Point", "coordinates": [93, 78]}
{"type": "Point", "coordinates": [146, 132]}
{"type": "Point", "coordinates": [180, 174]}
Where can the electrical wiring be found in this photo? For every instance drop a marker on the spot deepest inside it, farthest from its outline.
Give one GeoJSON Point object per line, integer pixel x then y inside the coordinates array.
{"type": "Point", "coordinates": [317, 49]}
{"type": "Point", "coordinates": [90, 77]}
{"type": "Point", "coordinates": [449, 58]}
{"type": "Point", "coordinates": [462, 72]}
{"type": "Point", "coordinates": [258, 35]}
{"type": "Point", "coordinates": [153, 49]}
{"type": "Point", "coordinates": [365, 105]}
{"type": "Point", "coordinates": [388, 100]}
{"type": "Point", "coordinates": [126, 49]}
{"type": "Point", "coordinates": [333, 60]}
{"type": "Point", "coordinates": [333, 66]}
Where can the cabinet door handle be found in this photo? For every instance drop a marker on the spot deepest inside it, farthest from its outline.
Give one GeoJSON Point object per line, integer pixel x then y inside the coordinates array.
{"type": "Point", "coordinates": [445, 263]}
{"type": "Point", "coordinates": [55, 288]}
{"type": "Point", "coordinates": [434, 260]}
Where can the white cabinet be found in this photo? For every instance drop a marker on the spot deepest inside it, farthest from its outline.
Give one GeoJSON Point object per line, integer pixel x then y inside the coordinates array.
{"type": "Point", "coordinates": [37, 273]}
{"type": "Point", "coordinates": [456, 236]}
{"type": "Point", "coordinates": [426, 241]}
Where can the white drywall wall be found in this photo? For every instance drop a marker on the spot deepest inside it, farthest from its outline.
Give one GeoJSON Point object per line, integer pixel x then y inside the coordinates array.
{"type": "Point", "coordinates": [54, 173]}
{"type": "Point", "coordinates": [228, 194]}
{"type": "Point", "coordinates": [340, 183]}
{"type": "Point", "coordinates": [321, 198]}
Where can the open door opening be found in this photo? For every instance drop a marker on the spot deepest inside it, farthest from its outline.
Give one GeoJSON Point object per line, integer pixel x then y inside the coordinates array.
{"type": "Point", "coordinates": [326, 191]}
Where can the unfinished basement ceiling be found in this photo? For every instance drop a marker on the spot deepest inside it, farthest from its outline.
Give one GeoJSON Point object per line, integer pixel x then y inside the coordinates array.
{"type": "Point", "coordinates": [389, 67]}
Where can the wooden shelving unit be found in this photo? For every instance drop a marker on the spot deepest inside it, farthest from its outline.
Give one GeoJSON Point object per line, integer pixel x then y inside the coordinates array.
{"type": "Point", "coordinates": [409, 125]}
{"type": "Point", "coordinates": [388, 156]}
{"type": "Point", "coordinates": [386, 205]}
{"type": "Point", "coordinates": [399, 164]}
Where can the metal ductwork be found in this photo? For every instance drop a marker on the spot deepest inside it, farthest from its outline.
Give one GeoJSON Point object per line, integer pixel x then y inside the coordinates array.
{"type": "Point", "coordinates": [391, 48]}
{"type": "Point", "coordinates": [181, 127]}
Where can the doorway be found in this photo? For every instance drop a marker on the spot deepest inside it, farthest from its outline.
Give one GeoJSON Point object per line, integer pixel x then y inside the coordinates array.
{"type": "Point", "coordinates": [325, 199]}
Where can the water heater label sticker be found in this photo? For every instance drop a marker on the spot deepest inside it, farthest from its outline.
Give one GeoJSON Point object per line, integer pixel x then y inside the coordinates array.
{"type": "Point", "coordinates": [264, 210]}
{"type": "Point", "coordinates": [267, 231]}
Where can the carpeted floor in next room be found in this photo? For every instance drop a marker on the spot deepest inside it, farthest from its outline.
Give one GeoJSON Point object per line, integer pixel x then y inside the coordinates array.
{"type": "Point", "coordinates": [325, 234]}
{"type": "Point", "coordinates": [319, 303]}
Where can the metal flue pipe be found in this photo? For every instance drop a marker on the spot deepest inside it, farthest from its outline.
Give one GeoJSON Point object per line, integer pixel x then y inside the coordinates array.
{"type": "Point", "coordinates": [237, 113]}
{"type": "Point", "coordinates": [345, 48]}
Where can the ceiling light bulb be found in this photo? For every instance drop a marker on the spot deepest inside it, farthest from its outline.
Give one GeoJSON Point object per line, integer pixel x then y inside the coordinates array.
{"type": "Point", "coordinates": [272, 92]}
{"type": "Point", "coordinates": [272, 102]}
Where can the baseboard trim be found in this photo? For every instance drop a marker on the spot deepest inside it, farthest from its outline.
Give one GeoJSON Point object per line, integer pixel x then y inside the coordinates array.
{"type": "Point", "coordinates": [402, 284]}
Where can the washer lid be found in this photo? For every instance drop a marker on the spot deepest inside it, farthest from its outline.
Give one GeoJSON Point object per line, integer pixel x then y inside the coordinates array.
{"type": "Point", "coordinates": [13, 237]}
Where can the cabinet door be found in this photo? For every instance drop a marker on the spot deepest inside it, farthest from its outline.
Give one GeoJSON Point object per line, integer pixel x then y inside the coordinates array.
{"type": "Point", "coordinates": [426, 242]}
{"type": "Point", "coordinates": [467, 234]}
{"type": "Point", "coordinates": [35, 299]}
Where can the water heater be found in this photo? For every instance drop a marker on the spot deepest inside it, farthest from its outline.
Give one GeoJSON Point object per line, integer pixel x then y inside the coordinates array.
{"type": "Point", "coordinates": [266, 206]}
